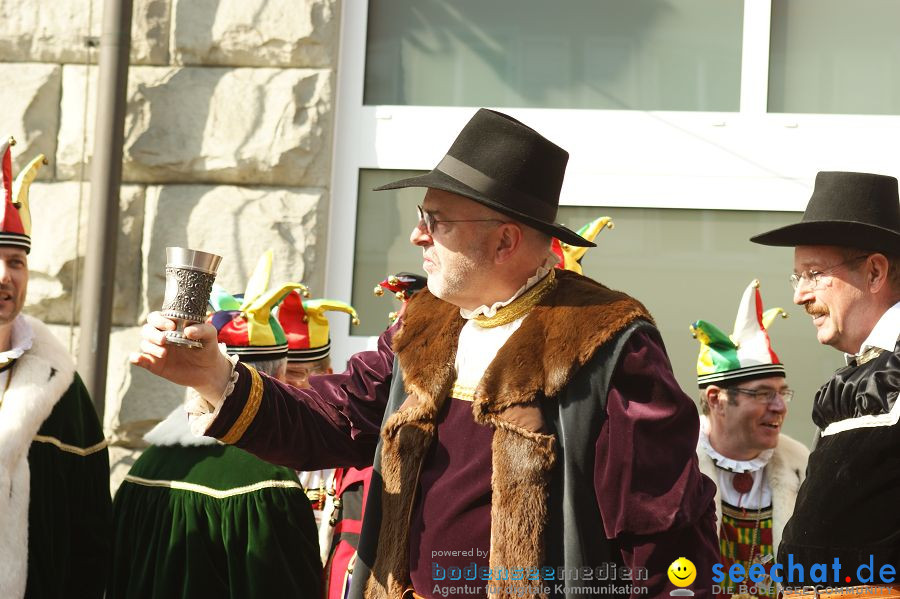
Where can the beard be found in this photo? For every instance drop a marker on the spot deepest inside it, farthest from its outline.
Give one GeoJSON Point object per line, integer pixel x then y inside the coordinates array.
{"type": "Point", "coordinates": [456, 275]}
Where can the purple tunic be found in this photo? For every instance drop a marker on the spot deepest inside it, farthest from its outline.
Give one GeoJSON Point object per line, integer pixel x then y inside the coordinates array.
{"type": "Point", "coordinates": [655, 502]}
{"type": "Point", "coordinates": [457, 474]}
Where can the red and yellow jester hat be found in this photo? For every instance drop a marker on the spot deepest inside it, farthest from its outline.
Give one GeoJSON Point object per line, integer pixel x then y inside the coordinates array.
{"type": "Point", "coordinates": [15, 219]}
{"type": "Point", "coordinates": [569, 255]}
{"type": "Point", "coordinates": [246, 325]}
{"type": "Point", "coordinates": [403, 285]}
{"type": "Point", "coordinates": [306, 326]}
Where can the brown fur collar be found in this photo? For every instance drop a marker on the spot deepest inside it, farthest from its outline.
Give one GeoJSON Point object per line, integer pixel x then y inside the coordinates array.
{"type": "Point", "coordinates": [554, 341]}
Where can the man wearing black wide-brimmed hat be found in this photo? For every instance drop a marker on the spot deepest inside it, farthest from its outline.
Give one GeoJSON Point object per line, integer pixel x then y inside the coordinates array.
{"type": "Point", "coordinates": [522, 419]}
{"type": "Point", "coordinates": [847, 277]}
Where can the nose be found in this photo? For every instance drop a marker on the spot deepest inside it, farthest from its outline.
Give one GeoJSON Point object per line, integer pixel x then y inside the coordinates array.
{"type": "Point", "coordinates": [777, 404]}
{"type": "Point", "coordinates": [4, 273]}
{"type": "Point", "coordinates": [419, 236]}
{"type": "Point", "coordinates": [803, 294]}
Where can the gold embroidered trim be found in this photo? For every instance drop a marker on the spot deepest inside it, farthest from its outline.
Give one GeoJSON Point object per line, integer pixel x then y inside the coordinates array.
{"type": "Point", "coordinates": [869, 355]}
{"type": "Point", "coordinates": [217, 493]}
{"type": "Point", "coordinates": [521, 306]}
{"type": "Point", "coordinates": [86, 451]}
{"type": "Point", "coordinates": [240, 425]}
{"type": "Point", "coordinates": [462, 392]}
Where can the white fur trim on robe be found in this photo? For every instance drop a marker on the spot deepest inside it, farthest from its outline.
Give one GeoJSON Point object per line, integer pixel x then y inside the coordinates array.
{"type": "Point", "coordinates": [39, 378]}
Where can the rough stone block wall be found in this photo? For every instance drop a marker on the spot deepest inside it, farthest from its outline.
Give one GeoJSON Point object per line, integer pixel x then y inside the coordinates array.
{"type": "Point", "coordinates": [227, 149]}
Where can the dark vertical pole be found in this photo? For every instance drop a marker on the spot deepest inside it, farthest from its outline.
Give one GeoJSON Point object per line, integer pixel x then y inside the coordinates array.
{"type": "Point", "coordinates": [106, 178]}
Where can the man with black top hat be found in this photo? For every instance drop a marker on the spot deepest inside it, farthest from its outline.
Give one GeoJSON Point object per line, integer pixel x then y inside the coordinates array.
{"type": "Point", "coordinates": [847, 277]}
{"type": "Point", "coordinates": [524, 421]}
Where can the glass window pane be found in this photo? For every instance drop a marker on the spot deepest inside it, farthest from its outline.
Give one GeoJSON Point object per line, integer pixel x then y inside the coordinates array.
{"type": "Point", "coordinates": [835, 57]}
{"type": "Point", "coordinates": [597, 54]}
{"type": "Point", "coordinates": [682, 264]}
{"type": "Point", "coordinates": [384, 220]}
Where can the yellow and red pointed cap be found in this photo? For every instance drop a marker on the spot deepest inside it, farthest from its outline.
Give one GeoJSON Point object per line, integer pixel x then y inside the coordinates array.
{"type": "Point", "coordinates": [306, 325]}
{"type": "Point", "coordinates": [570, 255]}
{"type": "Point", "coordinates": [15, 218]}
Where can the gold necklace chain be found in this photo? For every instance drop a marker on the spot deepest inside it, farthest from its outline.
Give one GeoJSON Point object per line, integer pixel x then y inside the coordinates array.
{"type": "Point", "coordinates": [519, 306]}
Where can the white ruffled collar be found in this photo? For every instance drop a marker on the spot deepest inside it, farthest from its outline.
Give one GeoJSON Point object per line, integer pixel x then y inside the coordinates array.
{"type": "Point", "coordinates": [489, 311]}
{"type": "Point", "coordinates": [725, 463]}
{"type": "Point", "coordinates": [20, 341]}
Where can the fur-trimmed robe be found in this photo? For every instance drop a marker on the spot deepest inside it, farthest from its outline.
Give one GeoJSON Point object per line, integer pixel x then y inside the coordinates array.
{"type": "Point", "coordinates": [558, 337]}
{"type": "Point", "coordinates": [545, 395]}
{"type": "Point", "coordinates": [784, 472]}
{"type": "Point", "coordinates": [54, 478]}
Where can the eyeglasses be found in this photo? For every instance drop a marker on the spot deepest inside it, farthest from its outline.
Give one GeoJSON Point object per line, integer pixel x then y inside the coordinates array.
{"type": "Point", "coordinates": [430, 221]}
{"type": "Point", "coordinates": [813, 276]}
{"type": "Point", "coordinates": [765, 395]}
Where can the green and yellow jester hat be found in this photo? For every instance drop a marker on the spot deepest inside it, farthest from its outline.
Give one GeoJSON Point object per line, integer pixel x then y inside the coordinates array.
{"type": "Point", "coordinates": [15, 218]}
{"type": "Point", "coordinates": [569, 255]}
{"type": "Point", "coordinates": [246, 324]}
{"type": "Point", "coordinates": [306, 326]}
{"type": "Point", "coordinates": [745, 355]}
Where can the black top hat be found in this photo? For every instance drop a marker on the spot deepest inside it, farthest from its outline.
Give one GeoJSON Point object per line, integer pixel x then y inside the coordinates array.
{"type": "Point", "coordinates": [858, 210]}
{"type": "Point", "coordinates": [507, 166]}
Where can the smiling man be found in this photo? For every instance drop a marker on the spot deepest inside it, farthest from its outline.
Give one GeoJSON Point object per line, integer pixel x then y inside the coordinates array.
{"type": "Point", "coordinates": [54, 467]}
{"type": "Point", "coordinates": [744, 398]}
{"type": "Point", "coordinates": [847, 277]}
{"type": "Point", "coordinates": [522, 418]}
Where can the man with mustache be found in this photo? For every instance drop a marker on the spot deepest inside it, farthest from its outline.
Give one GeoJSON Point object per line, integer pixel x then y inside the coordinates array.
{"type": "Point", "coordinates": [744, 398]}
{"type": "Point", "coordinates": [847, 277]}
{"type": "Point", "coordinates": [523, 419]}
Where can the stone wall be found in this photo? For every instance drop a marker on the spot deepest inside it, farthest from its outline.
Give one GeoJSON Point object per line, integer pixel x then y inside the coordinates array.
{"type": "Point", "coordinates": [227, 149]}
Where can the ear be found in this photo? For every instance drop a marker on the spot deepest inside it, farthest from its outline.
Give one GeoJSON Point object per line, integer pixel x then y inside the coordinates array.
{"type": "Point", "coordinates": [715, 399]}
{"type": "Point", "coordinates": [877, 267]}
{"type": "Point", "coordinates": [509, 239]}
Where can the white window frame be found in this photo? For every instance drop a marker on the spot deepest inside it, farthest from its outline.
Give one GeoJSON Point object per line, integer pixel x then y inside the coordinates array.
{"type": "Point", "coordinates": [745, 160]}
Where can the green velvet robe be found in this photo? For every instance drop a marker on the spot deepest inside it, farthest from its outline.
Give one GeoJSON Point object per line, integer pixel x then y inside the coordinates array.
{"type": "Point", "coordinates": [55, 509]}
{"type": "Point", "coordinates": [69, 513]}
{"type": "Point", "coordinates": [212, 521]}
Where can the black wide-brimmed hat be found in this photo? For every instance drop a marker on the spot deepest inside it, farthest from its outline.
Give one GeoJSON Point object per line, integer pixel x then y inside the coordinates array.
{"type": "Point", "coordinates": [858, 210]}
{"type": "Point", "coordinates": [507, 166]}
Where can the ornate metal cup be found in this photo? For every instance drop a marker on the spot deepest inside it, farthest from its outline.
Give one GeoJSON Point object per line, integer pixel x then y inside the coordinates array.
{"type": "Point", "coordinates": [189, 280]}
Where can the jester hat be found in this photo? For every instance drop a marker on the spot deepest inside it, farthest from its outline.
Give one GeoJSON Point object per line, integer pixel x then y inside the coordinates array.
{"type": "Point", "coordinates": [15, 218]}
{"type": "Point", "coordinates": [246, 324]}
{"type": "Point", "coordinates": [306, 326]}
{"type": "Point", "coordinates": [403, 285]}
{"type": "Point", "coordinates": [569, 255]}
{"type": "Point", "coordinates": [745, 355]}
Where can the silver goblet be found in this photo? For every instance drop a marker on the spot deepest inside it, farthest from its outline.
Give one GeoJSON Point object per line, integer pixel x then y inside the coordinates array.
{"type": "Point", "coordinates": [189, 280]}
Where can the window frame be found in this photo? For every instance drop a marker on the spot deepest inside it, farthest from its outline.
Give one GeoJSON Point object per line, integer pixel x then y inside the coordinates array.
{"type": "Point", "coordinates": [744, 160]}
